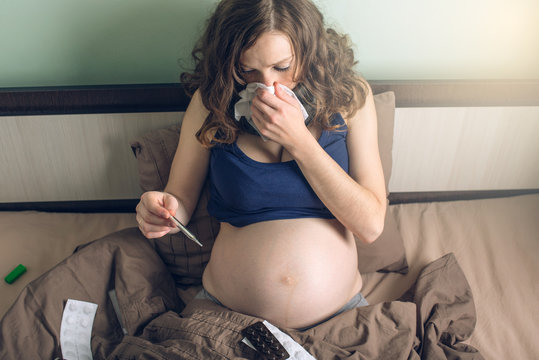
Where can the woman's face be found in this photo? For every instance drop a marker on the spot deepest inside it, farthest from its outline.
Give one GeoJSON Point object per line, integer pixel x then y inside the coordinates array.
{"type": "Point", "coordinates": [270, 59]}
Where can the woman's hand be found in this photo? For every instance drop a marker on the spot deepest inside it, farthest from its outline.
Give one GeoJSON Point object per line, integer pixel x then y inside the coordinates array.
{"type": "Point", "coordinates": [279, 117]}
{"type": "Point", "coordinates": [153, 214]}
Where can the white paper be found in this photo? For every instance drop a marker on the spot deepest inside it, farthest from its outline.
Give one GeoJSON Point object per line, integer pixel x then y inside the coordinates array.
{"type": "Point", "coordinates": [76, 330]}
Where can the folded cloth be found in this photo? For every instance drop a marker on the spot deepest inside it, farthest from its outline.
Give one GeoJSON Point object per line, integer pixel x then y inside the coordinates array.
{"type": "Point", "coordinates": [243, 106]}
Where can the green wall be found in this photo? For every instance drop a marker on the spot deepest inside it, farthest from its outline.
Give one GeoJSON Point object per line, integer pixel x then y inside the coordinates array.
{"type": "Point", "coordinates": [85, 42]}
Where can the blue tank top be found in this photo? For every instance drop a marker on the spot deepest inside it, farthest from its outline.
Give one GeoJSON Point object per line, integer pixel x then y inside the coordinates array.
{"type": "Point", "coordinates": [244, 191]}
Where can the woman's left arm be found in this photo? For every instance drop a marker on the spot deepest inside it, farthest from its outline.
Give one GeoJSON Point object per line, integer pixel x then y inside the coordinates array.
{"type": "Point", "coordinates": [358, 199]}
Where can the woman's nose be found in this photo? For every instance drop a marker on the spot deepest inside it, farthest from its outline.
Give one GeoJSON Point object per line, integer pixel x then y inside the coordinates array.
{"type": "Point", "coordinates": [267, 79]}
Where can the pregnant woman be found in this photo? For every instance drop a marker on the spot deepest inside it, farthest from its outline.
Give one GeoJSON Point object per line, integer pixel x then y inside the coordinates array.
{"type": "Point", "coordinates": [291, 192]}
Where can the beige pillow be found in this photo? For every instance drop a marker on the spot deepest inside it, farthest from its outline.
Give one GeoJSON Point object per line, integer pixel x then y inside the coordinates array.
{"type": "Point", "coordinates": [386, 254]}
{"type": "Point", "coordinates": [186, 260]}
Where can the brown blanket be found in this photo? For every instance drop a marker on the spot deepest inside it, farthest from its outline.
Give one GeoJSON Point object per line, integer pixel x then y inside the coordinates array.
{"type": "Point", "coordinates": [430, 322]}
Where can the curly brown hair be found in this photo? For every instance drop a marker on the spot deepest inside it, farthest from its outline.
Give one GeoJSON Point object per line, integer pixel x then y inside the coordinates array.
{"type": "Point", "coordinates": [327, 82]}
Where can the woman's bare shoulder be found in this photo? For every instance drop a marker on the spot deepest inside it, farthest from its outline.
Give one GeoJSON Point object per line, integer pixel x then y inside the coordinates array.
{"type": "Point", "coordinates": [366, 113]}
{"type": "Point", "coordinates": [196, 111]}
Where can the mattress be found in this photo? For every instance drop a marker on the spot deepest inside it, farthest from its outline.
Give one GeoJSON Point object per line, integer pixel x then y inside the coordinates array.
{"type": "Point", "coordinates": [495, 242]}
{"type": "Point", "coordinates": [40, 240]}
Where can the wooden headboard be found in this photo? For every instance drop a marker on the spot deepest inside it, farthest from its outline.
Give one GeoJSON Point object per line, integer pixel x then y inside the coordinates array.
{"type": "Point", "coordinates": [95, 124]}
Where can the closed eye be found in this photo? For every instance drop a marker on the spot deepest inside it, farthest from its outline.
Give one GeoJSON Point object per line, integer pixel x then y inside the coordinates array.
{"type": "Point", "coordinates": [282, 69]}
{"type": "Point", "coordinates": [276, 68]}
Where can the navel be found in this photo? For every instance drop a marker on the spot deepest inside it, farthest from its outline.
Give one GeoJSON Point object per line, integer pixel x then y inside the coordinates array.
{"type": "Point", "coordinates": [288, 280]}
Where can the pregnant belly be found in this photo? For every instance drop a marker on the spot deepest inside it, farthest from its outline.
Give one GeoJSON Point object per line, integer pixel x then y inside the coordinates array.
{"type": "Point", "coordinates": [293, 273]}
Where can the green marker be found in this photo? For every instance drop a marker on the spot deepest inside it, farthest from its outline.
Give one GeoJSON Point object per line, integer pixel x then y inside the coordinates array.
{"type": "Point", "coordinates": [14, 275]}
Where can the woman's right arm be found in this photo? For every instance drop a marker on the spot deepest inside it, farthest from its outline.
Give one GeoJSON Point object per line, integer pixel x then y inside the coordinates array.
{"type": "Point", "coordinates": [186, 179]}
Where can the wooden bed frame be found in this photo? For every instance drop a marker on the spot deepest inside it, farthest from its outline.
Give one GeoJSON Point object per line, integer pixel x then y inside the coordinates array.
{"type": "Point", "coordinates": [171, 97]}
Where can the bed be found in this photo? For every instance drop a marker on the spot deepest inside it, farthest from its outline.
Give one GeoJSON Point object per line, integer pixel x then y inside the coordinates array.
{"type": "Point", "coordinates": [490, 235]}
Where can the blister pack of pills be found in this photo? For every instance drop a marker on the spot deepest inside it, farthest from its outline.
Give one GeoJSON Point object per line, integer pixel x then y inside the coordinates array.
{"type": "Point", "coordinates": [76, 330]}
{"type": "Point", "coordinates": [273, 344]}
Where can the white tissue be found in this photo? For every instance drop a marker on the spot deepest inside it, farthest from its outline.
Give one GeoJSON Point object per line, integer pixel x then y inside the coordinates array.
{"type": "Point", "coordinates": [76, 330]}
{"type": "Point", "coordinates": [243, 106]}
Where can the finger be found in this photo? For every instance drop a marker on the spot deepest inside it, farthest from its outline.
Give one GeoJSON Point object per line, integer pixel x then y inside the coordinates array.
{"type": "Point", "coordinates": [147, 228]}
{"type": "Point", "coordinates": [262, 109]}
{"type": "Point", "coordinates": [155, 235]}
{"type": "Point", "coordinates": [145, 211]}
{"type": "Point", "coordinates": [152, 231]}
{"type": "Point", "coordinates": [281, 93]}
{"type": "Point", "coordinates": [153, 202]}
{"type": "Point", "coordinates": [152, 223]}
{"type": "Point", "coordinates": [265, 98]}
{"type": "Point", "coordinates": [150, 219]}
{"type": "Point", "coordinates": [149, 223]}
{"type": "Point", "coordinates": [262, 122]}
{"type": "Point", "coordinates": [170, 203]}
{"type": "Point", "coordinates": [257, 115]}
